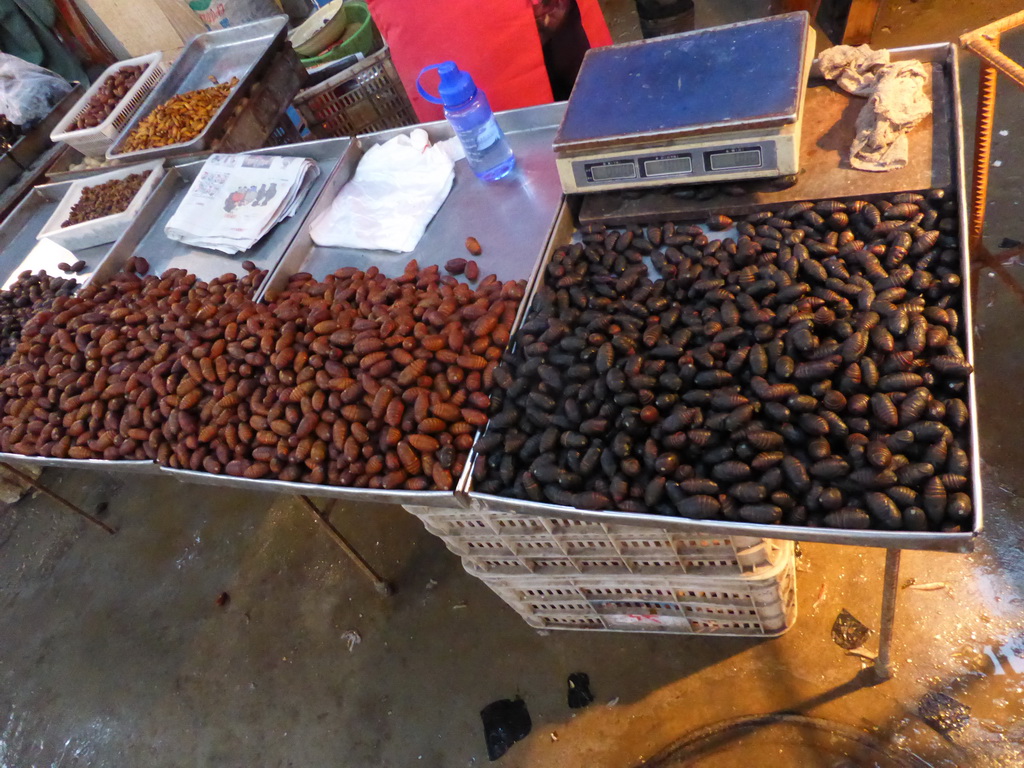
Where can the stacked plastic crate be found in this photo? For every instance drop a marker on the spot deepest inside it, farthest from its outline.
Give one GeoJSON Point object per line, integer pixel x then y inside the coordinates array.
{"type": "Point", "coordinates": [570, 574]}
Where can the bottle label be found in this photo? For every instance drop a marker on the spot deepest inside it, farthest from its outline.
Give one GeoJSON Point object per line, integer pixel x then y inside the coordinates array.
{"type": "Point", "coordinates": [487, 134]}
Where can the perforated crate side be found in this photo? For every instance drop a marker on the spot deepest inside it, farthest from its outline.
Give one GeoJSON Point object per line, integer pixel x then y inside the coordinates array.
{"type": "Point", "coordinates": [763, 605]}
{"type": "Point", "coordinates": [366, 98]}
{"type": "Point", "coordinates": [454, 522]}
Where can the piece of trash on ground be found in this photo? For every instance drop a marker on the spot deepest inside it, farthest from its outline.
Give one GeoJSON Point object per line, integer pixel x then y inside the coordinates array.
{"type": "Point", "coordinates": [848, 632]}
{"type": "Point", "coordinates": [930, 586]}
{"type": "Point", "coordinates": [351, 638]}
{"type": "Point", "coordinates": [821, 596]}
{"type": "Point", "coordinates": [506, 721]}
{"type": "Point", "coordinates": [944, 713]}
{"type": "Point", "coordinates": [579, 690]}
{"type": "Point", "coordinates": [862, 654]}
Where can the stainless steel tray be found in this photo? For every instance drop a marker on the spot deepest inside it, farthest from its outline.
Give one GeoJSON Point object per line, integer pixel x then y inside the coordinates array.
{"type": "Point", "coordinates": [511, 218]}
{"type": "Point", "coordinates": [221, 54]}
{"type": "Point", "coordinates": [515, 217]}
{"type": "Point", "coordinates": [145, 236]}
{"type": "Point", "coordinates": [953, 161]}
{"type": "Point", "coordinates": [19, 249]}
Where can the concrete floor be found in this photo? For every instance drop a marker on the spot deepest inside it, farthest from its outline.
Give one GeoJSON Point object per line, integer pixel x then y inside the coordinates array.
{"type": "Point", "coordinates": [114, 651]}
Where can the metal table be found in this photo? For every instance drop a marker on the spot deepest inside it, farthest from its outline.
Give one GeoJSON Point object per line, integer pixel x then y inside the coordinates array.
{"type": "Point", "coordinates": [526, 217]}
{"type": "Point", "coordinates": [936, 160]}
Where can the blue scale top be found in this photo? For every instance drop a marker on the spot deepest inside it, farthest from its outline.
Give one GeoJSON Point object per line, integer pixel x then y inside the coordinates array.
{"type": "Point", "coordinates": [696, 82]}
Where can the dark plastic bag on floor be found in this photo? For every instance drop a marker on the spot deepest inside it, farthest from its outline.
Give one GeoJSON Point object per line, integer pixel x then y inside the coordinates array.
{"type": "Point", "coordinates": [847, 632]}
{"type": "Point", "coordinates": [579, 690]}
{"type": "Point", "coordinates": [506, 721]}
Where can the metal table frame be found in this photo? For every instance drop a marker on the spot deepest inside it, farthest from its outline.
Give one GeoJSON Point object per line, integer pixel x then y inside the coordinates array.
{"type": "Point", "coordinates": [463, 496]}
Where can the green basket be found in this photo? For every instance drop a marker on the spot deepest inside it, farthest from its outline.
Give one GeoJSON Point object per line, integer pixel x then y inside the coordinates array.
{"type": "Point", "coordinates": [363, 41]}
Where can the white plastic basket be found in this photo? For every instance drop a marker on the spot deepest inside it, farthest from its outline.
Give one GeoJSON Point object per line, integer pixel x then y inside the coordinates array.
{"type": "Point", "coordinates": [94, 142]}
{"type": "Point", "coordinates": [510, 544]}
{"type": "Point", "coordinates": [107, 228]}
{"type": "Point", "coordinates": [762, 605]}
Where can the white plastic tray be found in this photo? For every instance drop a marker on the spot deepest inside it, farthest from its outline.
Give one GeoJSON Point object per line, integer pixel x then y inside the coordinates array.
{"type": "Point", "coordinates": [94, 142]}
{"type": "Point", "coordinates": [107, 228]}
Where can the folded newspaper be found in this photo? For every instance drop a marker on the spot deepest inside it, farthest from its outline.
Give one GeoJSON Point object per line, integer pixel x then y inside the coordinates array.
{"type": "Point", "coordinates": [236, 199]}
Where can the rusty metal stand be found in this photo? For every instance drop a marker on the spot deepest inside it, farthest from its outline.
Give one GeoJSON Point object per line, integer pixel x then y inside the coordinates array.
{"type": "Point", "coordinates": [31, 481]}
{"type": "Point", "coordinates": [890, 592]}
{"type": "Point", "coordinates": [984, 42]}
{"type": "Point", "coordinates": [382, 586]}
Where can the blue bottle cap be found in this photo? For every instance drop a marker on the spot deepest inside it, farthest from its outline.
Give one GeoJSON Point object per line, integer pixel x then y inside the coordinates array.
{"type": "Point", "coordinates": [456, 87]}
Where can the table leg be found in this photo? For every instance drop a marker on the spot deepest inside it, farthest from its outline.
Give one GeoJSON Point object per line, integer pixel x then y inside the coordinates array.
{"type": "Point", "coordinates": [890, 588]}
{"type": "Point", "coordinates": [29, 480]}
{"type": "Point", "coordinates": [382, 586]}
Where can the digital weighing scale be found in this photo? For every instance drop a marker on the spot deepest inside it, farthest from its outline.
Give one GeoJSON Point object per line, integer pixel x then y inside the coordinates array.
{"type": "Point", "coordinates": [712, 105]}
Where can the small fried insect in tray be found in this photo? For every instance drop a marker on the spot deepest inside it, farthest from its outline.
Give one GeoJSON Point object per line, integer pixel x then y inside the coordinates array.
{"type": "Point", "coordinates": [808, 371]}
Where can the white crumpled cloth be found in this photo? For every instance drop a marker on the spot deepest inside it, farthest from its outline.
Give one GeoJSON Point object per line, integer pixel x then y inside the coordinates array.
{"type": "Point", "coordinates": [896, 102]}
{"type": "Point", "coordinates": [396, 190]}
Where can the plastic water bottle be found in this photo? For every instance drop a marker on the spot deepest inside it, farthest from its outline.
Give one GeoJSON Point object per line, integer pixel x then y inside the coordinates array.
{"type": "Point", "coordinates": [470, 115]}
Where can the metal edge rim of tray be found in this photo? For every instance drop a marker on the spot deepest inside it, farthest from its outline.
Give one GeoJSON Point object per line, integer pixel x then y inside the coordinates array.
{"type": "Point", "coordinates": [145, 466]}
{"type": "Point", "coordinates": [967, 311]}
{"type": "Point", "coordinates": [648, 138]}
{"type": "Point", "coordinates": [379, 495]}
{"type": "Point", "coordinates": [932, 540]}
{"type": "Point", "coordinates": [153, 100]}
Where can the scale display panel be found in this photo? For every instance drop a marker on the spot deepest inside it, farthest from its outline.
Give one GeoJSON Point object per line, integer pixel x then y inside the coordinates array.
{"type": "Point", "coordinates": [675, 167]}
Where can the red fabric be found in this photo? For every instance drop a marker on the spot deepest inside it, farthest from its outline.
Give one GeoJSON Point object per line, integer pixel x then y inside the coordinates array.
{"type": "Point", "coordinates": [594, 24]}
{"type": "Point", "coordinates": [496, 42]}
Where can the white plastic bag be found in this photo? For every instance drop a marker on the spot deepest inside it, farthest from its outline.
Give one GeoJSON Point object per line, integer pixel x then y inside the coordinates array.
{"type": "Point", "coordinates": [395, 192]}
{"type": "Point", "coordinates": [27, 92]}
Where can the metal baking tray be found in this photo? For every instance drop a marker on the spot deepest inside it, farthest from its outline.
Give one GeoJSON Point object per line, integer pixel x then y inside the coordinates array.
{"type": "Point", "coordinates": [222, 54]}
{"type": "Point", "coordinates": [20, 250]}
{"type": "Point", "coordinates": [952, 542]}
{"type": "Point", "coordinates": [515, 217]}
{"type": "Point", "coordinates": [511, 218]}
{"type": "Point", "coordinates": [145, 236]}
{"type": "Point", "coordinates": [43, 200]}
